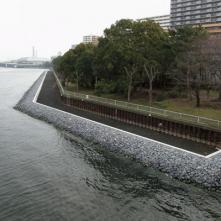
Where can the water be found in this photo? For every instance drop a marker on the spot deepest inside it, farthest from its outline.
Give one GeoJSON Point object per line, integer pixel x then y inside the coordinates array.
{"type": "Point", "coordinates": [46, 176]}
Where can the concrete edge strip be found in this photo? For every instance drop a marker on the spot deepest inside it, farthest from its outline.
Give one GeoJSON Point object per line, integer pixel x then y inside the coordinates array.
{"type": "Point", "coordinates": [107, 126]}
{"type": "Point", "coordinates": [39, 89]}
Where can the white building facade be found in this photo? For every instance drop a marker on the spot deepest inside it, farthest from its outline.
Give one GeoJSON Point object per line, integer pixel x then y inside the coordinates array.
{"type": "Point", "coordinates": [93, 39]}
{"type": "Point", "coordinates": [163, 20]}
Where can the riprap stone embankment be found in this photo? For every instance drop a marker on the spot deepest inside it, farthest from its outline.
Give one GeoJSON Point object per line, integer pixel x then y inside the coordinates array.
{"type": "Point", "coordinates": [175, 162]}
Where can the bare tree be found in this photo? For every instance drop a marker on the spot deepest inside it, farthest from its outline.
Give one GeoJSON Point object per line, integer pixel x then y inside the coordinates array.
{"type": "Point", "coordinates": [214, 45]}
{"type": "Point", "coordinates": [195, 69]}
{"type": "Point", "coordinates": [77, 77]}
{"type": "Point", "coordinates": [130, 78]}
{"type": "Point", "coordinates": [182, 72]}
{"type": "Point", "coordinates": [201, 70]}
{"type": "Point", "coordinates": [151, 71]}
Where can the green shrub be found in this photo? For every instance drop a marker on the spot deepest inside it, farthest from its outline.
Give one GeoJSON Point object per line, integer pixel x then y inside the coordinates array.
{"type": "Point", "coordinates": [103, 87]}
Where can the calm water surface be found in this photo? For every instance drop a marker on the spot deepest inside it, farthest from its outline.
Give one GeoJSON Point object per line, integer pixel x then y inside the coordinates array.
{"type": "Point", "coordinates": [46, 176]}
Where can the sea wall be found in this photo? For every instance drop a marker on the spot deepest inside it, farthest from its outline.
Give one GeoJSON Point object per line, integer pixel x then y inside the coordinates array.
{"type": "Point", "coordinates": [175, 162]}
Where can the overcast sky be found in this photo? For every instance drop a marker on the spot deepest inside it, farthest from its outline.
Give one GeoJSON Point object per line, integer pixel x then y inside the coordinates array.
{"type": "Point", "coordinates": [54, 25]}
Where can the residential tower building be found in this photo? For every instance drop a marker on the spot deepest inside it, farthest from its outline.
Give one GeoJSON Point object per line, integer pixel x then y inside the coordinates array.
{"type": "Point", "coordinates": [197, 12]}
{"type": "Point", "coordinates": [163, 21]}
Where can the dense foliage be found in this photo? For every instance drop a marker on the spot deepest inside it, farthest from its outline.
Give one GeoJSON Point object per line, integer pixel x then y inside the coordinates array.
{"type": "Point", "coordinates": [140, 55]}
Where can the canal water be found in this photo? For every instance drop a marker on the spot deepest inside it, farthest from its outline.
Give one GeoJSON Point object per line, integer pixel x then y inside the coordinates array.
{"type": "Point", "coordinates": [46, 176]}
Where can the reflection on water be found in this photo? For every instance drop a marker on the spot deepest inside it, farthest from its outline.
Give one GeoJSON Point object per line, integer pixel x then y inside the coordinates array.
{"type": "Point", "coordinates": [45, 175]}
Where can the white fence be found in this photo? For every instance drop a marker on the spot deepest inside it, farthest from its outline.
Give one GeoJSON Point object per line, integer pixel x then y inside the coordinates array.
{"type": "Point", "coordinates": [141, 108]}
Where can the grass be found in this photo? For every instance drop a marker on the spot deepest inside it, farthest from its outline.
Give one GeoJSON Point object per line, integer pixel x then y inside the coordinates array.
{"type": "Point", "coordinates": [208, 109]}
{"type": "Point", "coordinates": [212, 111]}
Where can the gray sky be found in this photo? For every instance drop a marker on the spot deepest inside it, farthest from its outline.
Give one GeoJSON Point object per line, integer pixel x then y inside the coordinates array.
{"type": "Point", "coordinates": [54, 25]}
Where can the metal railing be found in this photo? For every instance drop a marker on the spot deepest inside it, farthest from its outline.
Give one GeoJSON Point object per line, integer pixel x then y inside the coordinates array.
{"type": "Point", "coordinates": [201, 121]}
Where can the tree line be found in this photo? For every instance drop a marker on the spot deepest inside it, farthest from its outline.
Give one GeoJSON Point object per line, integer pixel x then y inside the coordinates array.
{"type": "Point", "coordinates": [140, 56]}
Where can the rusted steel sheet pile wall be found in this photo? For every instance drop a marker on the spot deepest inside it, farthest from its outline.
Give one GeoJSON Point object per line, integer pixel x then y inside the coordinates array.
{"type": "Point", "coordinates": [186, 131]}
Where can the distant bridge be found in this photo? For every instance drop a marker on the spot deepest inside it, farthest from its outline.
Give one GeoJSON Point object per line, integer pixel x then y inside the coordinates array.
{"type": "Point", "coordinates": [8, 65]}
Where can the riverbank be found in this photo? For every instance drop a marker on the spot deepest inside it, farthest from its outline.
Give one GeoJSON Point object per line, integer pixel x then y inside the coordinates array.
{"type": "Point", "coordinates": [178, 163]}
{"type": "Point", "coordinates": [50, 96]}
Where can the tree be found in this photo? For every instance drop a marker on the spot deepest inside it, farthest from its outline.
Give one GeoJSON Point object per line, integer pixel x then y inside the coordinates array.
{"type": "Point", "coordinates": [152, 41]}
{"type": "Point", "coordinates": [56, 62]}
{"type": "Point", "coordinates": [151, 71]}
{"type": "Point", "coordinates": [191, 63]}
{"type": "Point", "coordinates": [127, 44]}
{"type": "Point", "coordinates": [183, 39]}
{"type": "Point", "coordinates": [76, 65]}
{"type": "Point", "coordinates": [130, 78]}
{"type": "Point", "coordinates": [125, 47]}
{"type": "Point", "coordinates": [140, 56]}
{"type": "Point", "coordinates": [214, 47]}
{"type": "Point", "coordinates": [84, 73]}
{"type": "Point", "coordinates": [62, 65]}
{"type": "Point", "coordinates": [118, 53]}
{"type": "Point", "coordinates": [67, 66]}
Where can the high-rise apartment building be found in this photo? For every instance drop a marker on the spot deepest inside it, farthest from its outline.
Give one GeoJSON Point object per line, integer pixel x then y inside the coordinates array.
{"type": "Point", "coordinates": [197, 12]}
{"type": "Point", "coordinates": [91, 39]}
{"type": "Point", "coordinates": [163, 20]}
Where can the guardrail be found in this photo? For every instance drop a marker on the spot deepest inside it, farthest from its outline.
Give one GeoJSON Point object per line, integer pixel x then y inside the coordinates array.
{"type": "Point", "coordinates": [201, 121]}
